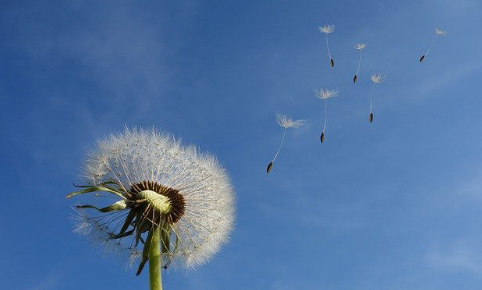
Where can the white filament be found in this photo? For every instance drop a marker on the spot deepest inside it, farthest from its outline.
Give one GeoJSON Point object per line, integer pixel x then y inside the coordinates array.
{"type": "Point", "coordinates": [359, 63]}
{"type": "Point", "coordinates": [328, 47]}
{"type": "Point", "coordinates": [371, 98]}
{"type": "Point", "coordinates": [326, 115]}
{"type": "Point", "coordinates": [280, 145]}
{"type": "Point", "coordinates": [433, 42]}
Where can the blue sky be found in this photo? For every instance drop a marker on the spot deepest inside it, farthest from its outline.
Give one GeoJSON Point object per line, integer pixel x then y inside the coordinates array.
{"type": "Point", "coordinates": [389, 205]}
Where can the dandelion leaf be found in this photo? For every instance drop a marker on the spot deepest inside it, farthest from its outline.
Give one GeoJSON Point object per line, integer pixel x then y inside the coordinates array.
{"type": "Point", "coordinates": [97, 188]}
{"type": "Point", "coordinates": [145, 253]}
{"type": "Point", "coordinates": [120, 205]}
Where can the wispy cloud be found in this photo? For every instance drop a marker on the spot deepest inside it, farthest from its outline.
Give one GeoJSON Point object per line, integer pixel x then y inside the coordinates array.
{"type": "Point", "coordinates": [459, 256]}
{"type": "Point", "coordinates": [469, 188]}
{"type": "Point", "coordinates": [334, 217]}
{"type": "Point", "coordinates": [447, 78]}
{"type": "Point", "coordinates": [115, 49]}
{"type": "Point", "coordinates": [125, 58]}
{"type": "Point", "coordinates": [50, 281]}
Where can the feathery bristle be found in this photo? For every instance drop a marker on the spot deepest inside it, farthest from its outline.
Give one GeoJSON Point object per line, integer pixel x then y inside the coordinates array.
{"type": "Point", "coordinates": [327, 28]}
{"type": "Point", "coordinates": [326, 94]}
{"type": "Point", "coordinates": [286, 122]}
{"type": "Point", "coordinates": [377, 78]}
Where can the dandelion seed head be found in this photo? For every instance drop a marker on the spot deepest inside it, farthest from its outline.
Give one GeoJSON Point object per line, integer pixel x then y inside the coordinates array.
{"type": "Point", "coordinates": [325, 93]}
{"type": "Point", "coordinates": [327, 28]}
{"type": "Point", "coordinates": [286, 122]}
{"type": "Point", "coordinates": [360, 46]}
{"type": "Point", "coordinates": [439, 31]}
{"type": "Point", "coordinates": [197, 188]}
{"type": "Point", "coordinates": [377, 78]}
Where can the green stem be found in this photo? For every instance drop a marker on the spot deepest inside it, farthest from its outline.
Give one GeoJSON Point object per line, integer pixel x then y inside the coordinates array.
{"type": "Point", "coordinates": [155, 260]}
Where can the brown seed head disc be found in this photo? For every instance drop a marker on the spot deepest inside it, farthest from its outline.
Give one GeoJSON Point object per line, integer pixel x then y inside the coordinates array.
{"type": "Point", "coordinates": [178, 204]}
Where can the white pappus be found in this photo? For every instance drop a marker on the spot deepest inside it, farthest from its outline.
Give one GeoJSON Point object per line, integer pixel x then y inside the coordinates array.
{"type": "Point", "coordinates": [437, 32]}
{"type": "Point", "coordinates": [376, 79]}
{"type": "Point", "coordinates": [328, 29]}
{"type": "Point", "coordinates": [325, 94]}
{"type": "Point", "coordinates": [359, 47]}
{"type": "Point", "coordinates": [285, 122]}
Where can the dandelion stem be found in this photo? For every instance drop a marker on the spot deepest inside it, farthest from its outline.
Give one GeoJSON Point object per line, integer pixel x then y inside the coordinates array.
{"type": "Point", "coordinates": [280, 145]}
{"type": "Point", "coordinates": [155, 260]}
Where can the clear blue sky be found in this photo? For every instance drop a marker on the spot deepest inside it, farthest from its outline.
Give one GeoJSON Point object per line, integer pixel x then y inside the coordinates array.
{"type": "Point", "coordinates": [391, 205]}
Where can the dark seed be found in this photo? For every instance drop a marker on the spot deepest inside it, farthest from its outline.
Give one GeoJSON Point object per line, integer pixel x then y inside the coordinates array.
{"type": "Point", "coordinates": [332, 62]}
{"type": "Point", "coordinates": [270, 165]}
{"type": "Point", "coordinates": [354, 79]}
{"type": "Point", "coordinates": [422, 58]}
{"type": "Point", "coordinates": [322, 137]}
{"type": "Point", "coordinates": [370, 118]}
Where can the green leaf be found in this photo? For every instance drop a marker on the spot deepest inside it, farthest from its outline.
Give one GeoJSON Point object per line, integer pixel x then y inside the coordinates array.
{"type": "Point", "coordinates": [120, 205]}
{"type": "Point", "coordinates": [128, 221]}
{"type": "Point", "coordinates": [145, 253]}
{"type": "Point", "coordinates": [97, 188]}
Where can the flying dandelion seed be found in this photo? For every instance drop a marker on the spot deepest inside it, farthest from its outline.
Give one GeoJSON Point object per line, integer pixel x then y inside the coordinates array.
{"type": "Point", "coordinates": [325, 94]}
{"type": "Point", "coordinates": [285, 122]}
{"type": "Point", "coordinates": [376, 79]}
{"type": "Point", "coordinates": [175, 205]}
{"type": "Point", "coordinates": [359, 47]}
{"type": "Point", "coordinates": [327, 29]}
{"type": "Point", "coordinates": [438, 32]}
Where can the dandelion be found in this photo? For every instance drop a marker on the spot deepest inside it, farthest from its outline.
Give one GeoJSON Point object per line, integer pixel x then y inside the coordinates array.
{"type": "Point", "coordinates": [327, 29]}
{"type": "Point", "coordinates": [174, 205]}
{"type": "Point", "coordinates": [325, 94]}
{"type": "Point", "coordinates": [285, 122]}
{"type": "Point", "coordinates": [359, 47]}
{"type": "Point", "coordinates": [376, 79]}
{"type": "Point", "coordinates": [438, 32]}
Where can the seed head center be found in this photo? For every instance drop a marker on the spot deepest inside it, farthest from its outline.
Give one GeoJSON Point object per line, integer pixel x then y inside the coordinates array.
{"type": "Point", "coordinates": [158, 201]}
{"type": "Point", "coordinates": [162, 199]}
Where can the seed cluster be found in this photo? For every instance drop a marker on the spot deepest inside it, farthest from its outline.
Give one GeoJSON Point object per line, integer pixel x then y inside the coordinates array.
{"type": "Point", "coordinates": [161, 185]}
